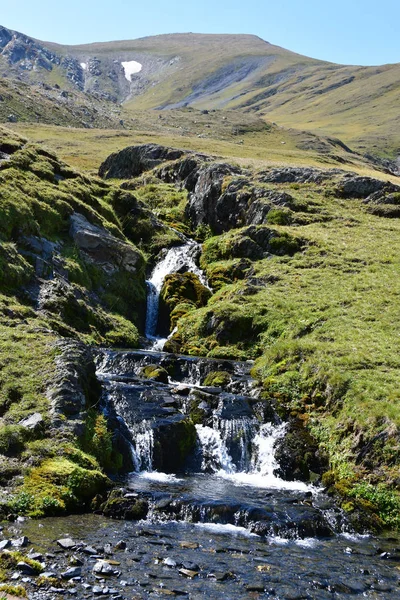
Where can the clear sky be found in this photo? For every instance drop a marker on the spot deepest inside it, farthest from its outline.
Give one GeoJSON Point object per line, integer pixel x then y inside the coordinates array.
{"type": "Point", "coordinates": [345, 31]}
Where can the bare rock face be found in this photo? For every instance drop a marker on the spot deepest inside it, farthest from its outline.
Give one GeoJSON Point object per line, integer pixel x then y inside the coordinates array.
{"type": "Point", "coordinates": [74, 384]}
{"type": "Point", "coordinates": [102, 248]}
{"type": "Point", "coordinates": [208, 204]}
{"type": "Point", "coordinates": [135, 160]}
{"type": "Point", "coordinates": [354, 186]}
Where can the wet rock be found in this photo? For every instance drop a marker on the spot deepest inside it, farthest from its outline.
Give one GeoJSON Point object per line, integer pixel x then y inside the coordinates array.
{"type": "Point", "coordinates": [154, 372]}
{"type": "Point", "coordinates": [121, 545]}
{"type": "Point", "coordinates": [104, 569]}
{"type": "Point", "coordinates": [89, 550]}
{"type": "Point", "coordinates": [298, 454]}
{"type": "Point", "coordinates": [221, 575]}
{"type": "Point", "coordinates": [170, 562]}
{"type": "Point", "coordinates": [71, 573]}
{"type": "Point", "coordinates": [256, 587]}
{"type": "Point", "coordinates": [188, 573]}
{"type": "Point", "coordinates": [67, 543]}
{"type": "Point", "coordinates": [189, 545]}
{"type": "Point", "coordinates": [187, 564]}
{"type": "Point", "coordinates": [117, 506]}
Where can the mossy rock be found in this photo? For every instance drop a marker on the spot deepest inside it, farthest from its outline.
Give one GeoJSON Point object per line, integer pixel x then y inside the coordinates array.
{"type": "Point", "coordinates": [118, 507]}
{"type": "Point", "coordinates": [217, 379]}
{"type": "Point", "coordinates": [298, 454]}
{"type": "Point", "coordinates": [57, 486]}
{"type": "Point", "coordinates": [154, 372]}
{"type": "Point", "coordinates": [178, 289]}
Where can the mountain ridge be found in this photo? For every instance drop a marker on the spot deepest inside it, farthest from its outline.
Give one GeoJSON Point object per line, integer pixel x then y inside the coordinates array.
{"type": "Point", "coordinates": [357, 104]}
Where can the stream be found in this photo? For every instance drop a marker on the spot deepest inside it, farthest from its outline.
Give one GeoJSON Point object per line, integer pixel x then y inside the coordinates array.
{"type": "Point", "coordinates": [222, 519]}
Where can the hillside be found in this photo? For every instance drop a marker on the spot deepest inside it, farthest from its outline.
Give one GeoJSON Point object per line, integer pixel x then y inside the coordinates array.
{"type": "Point", "coordinates": [242, 72]}
{"type": "Point", "coordinates": [302, 263]}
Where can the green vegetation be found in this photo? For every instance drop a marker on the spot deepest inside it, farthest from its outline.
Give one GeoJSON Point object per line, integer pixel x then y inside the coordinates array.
{"type": "Point", "coordinates": [322, 327]}
{"type": "Point", "coordinates": [217, 378]}
{"type": "Point", "coordinates": [51, 288]}
{"type": "Point", "coordinates": [14, 590]}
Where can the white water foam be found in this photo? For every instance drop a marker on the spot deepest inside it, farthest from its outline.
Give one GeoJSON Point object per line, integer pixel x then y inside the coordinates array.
{"type": "Point", "coordinates": [159, 477]}
{"type": "Point", "coordinates": [303, 543]}
{"type": "Point", "coordinates": [215, 455]}
{"type": "Point", "coordinates": [259, 472]}
{"type": "Point", "coordinates": [227, 528]}
{"type": "Point", "coordinates": [84, 66]}
{"type": "Point", "coordinates": [143, 440]}
{"type": "Point", "coordinates": [176, 258]}
{"type": "Point", "coordinates": [131, 67]}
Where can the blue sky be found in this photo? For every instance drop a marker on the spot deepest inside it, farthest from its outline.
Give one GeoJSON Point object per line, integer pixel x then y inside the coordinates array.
{"type": "Point", "coordinates": [348, 32]}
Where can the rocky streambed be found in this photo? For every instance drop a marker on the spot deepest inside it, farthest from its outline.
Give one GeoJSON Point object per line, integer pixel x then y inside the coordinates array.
{"type": "Point", "coordinates": [89, 556]}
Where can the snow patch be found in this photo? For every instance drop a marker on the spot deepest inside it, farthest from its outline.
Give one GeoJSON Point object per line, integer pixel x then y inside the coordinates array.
{"type": "Point", "coordinates": [131, 67]}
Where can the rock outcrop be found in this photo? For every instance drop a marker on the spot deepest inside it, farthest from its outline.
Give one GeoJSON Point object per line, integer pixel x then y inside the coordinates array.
{"type": "Point", "coordinates": [102, 248]}
{"type": "Point", "coordinates": [134, 160]}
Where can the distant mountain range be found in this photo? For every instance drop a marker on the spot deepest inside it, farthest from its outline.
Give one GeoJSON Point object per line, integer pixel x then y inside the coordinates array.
{"type": "Point", "coordinates": [86, 85]}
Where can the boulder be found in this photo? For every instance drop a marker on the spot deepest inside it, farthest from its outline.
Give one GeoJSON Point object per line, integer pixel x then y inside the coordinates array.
{"type": "Point", "coordinates": [74, 384]}
{"type": "Point", "coordinates": [384, 204]}
{"type": "Point", "coordinates": [135, 160]}
{"type": "Point", "coordinates": [102, 248]}
{"type": "Point", "coordinates": [298, 454]}
{"type": "Point", "coordinates": [154, 372]}
{"type": "Point", "coordinates": [180, 289]}
{"type": "Point", "coordinates": [294, 175]}
{"type": "Point", "coordinates": [34, 423]}
{"type": "Point", "coordinates": [120, 505]}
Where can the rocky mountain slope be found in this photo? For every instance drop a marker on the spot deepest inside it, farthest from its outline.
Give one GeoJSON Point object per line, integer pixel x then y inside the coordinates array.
{"type": "Point", "coordinates": [357, 104]}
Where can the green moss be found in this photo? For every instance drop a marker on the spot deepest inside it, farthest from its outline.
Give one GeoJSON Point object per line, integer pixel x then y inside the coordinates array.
{"type": "Point", "coordinates": [217, 378]}
{"type": "Point", "coordinates": [58, 485]}
{"type": "Point", "coordinates": [12, 439]}
{"type": "Point", "coordinates": [180, 290]}
{"type": "Point", "coordinates": [383, 500]}
{"type": "Point", "coordinates": [10, 559]}
{"type": "Point", "coordinates": [154, 372]}
{"type": "Point", "coordinates": [97, 441]}
{"type": "Point", "coordinates": [14, 590]}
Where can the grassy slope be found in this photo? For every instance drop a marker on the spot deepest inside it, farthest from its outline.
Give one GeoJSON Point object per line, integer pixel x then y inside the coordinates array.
{"type": "Point", "coordinates": [245, 139]}
{"type": "Point", "coordinates": [38, 193]}
{"type": "Point", "coordinates": [323, 327]}
{"type": "Point", "coordinates": [357, 104]}
{"type": "Point", "coordinates": [326, 346]}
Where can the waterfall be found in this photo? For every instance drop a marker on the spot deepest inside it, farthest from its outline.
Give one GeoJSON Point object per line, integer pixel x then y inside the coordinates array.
{"type": "Point", "coordinates": [263, 461]}
{"type": "Point", "coordinates": [243, 451]}
{"type": "Point", "coordinates": [142, 450]}
{"type": "Point", "coordinates": [214, 453]}
{"type": "Point", "coordinates": [176, 259]}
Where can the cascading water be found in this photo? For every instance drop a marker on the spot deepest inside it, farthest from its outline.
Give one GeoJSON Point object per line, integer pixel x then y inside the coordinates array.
{"type": "Point", "coordinates": [228, 475]}
{"type": "Point", "coordinates": [177, 258]}
{"type": "Point", "coordinates": [142, 449]}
